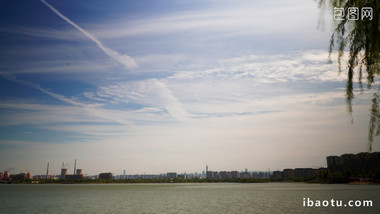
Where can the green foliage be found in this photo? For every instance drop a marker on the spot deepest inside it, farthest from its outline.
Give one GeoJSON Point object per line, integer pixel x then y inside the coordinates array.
{"type": "Point", "coordinates": [362, 38]}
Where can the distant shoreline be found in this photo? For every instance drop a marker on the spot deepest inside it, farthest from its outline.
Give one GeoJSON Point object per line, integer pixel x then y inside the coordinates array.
{"type": "Point", "coordinates": [183, 181]}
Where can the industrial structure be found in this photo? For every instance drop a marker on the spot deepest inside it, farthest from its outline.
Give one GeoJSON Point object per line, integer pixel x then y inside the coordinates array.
{"type": "Point", "coordinates": [47, 171]}
{"type": "Point", "coordinates": [77, 175]}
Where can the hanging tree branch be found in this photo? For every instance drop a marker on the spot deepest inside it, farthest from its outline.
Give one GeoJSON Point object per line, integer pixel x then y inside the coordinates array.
{"type": "Point", "coordinates": [362, 38]}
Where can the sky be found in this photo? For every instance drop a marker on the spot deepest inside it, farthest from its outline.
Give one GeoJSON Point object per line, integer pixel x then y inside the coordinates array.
{"type": "Point", "coordinates": [172, 86]}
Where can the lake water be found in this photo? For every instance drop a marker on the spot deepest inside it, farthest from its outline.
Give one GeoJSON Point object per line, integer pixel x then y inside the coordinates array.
{"type": "Point", "coordinates": [185, 198]}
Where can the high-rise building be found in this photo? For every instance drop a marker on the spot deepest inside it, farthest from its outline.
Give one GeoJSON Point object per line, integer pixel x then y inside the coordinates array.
{"type": "Point", "coordinates": [360, 163]}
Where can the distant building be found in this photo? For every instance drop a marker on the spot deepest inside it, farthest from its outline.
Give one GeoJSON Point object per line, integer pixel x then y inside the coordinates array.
{"type": "Point", "coordinates": [296, 173]}
{"type": "Point", "coordinates": [359, 164]}
{"type": "Point", "coordinates": [288, 173]}
{"type": "Point", "coordinates": [235, 174]}
{"type": "Point", "coordinates": [40, 177]}
{"type": "Point", "coordinates": [182, 176]}
{"type": "Point", "coordinates": [224, 174]}
{"type": "Point", "coordinates": [22, 176]}
{"type": "Point", "coordinates": [245, 175]}
{"type": "Point", "coordinates": [303, 172]}
{"type": "Point", "coordinates": [277, 175]}
{"type": "Point", "coordinates": [29, 175]}
{"type": "Point", "coordinates": [171, 175]}
{"type": "Point", "coordinates": [105, 176]}
{"type": "Point", "coordinates": [212, 174]}
{"type": "Point", "coordinates": [6, 175]}
{"type": "Point", "coordinates": [259, 174]}
{"type": "Point", "coordinates": [75, 177]}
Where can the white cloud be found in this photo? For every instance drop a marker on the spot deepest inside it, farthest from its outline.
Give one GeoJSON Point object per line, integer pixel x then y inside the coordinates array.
{"type": "Point", "coordinates": [278, 140]}
{"type": "Point", "coordinates": [25, 112]}
{"type": "Point", "coordinates": [250, 20]}
{"type": "Point", "coordinates": [236, 86]}
{"type": "Point", "coordinates": [244, 109]}
{"type": "Point", "coordinates": [151, 92]}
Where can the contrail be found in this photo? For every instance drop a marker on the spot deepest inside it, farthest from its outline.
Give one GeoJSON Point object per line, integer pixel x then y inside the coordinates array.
{"type": "Point", "coordinates": [126, 61]}
{"type": "Point", "coordinates": [90, 108]}
{"type": "Point", "coordinates": [11, 77]}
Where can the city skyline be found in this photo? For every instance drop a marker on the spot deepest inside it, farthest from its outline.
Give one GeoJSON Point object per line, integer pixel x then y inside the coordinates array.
{"type": "Point", "coordinates": [172, 86]}
{"type": "Point", "coordinates": [65, 170]}
{"type": "Point", "coordinates": [342, 167]}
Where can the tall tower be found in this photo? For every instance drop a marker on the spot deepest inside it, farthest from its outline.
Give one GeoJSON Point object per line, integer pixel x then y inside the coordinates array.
{"type": "Point", "coordinates": [124, 177]}
{"type": "Point", "coordinates": [206, 168]}
{"type": "Point", "coordinates": [75, 167]}
{"type": "Point", "coordinates": [47, 171]}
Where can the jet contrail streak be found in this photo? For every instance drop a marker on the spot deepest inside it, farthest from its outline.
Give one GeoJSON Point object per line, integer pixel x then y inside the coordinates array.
{"type": "Point", "coordinates": [90, 108]}
{"type": "Point", "coordinates": [126, 61]}
{"type": "Point", "coordinates": [11, 77]}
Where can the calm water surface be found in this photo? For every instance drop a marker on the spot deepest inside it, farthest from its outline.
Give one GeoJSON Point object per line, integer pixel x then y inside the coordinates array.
{"type": "Point", "coordinates": [183, 198]}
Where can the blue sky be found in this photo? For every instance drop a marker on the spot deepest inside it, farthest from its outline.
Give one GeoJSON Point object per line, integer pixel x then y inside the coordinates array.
{"type": "Point", "coordinates": [157, 86]}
